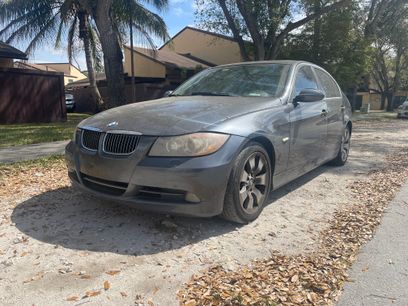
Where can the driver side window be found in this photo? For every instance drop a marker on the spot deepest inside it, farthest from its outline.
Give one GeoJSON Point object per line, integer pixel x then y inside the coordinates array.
{"type": "Point", "coordinates": [305, 79]}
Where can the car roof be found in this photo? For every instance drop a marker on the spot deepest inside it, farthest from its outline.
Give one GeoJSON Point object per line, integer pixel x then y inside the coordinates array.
{"type": "Point", "coordinates": [285, 62]}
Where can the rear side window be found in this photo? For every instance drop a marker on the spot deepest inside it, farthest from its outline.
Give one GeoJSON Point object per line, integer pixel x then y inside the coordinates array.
{"type": "Point", "coordinates": [305, 79]}
{"type": "Point", "coordinates": [329, 86]}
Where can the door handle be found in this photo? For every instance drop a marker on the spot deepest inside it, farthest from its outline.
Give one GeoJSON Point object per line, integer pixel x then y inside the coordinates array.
{"type": "Point", "coordinates": [343, 108]}
{"type": "Point", "coordinates": [324, 113]}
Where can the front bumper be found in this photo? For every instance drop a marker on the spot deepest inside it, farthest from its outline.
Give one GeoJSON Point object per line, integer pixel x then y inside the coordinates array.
{"type": "Point", "coordinates": [184, 186]}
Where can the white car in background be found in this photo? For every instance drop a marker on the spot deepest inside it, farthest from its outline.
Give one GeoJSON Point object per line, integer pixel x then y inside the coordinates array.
{"type": "Point", "coordinates": [69, 102]}
{"type": "Point", "coordinates": [403, 110]}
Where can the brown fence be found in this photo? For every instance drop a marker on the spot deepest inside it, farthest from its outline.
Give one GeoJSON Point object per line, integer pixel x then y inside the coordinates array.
{"type": "Point", "coordinates": [31, 96]}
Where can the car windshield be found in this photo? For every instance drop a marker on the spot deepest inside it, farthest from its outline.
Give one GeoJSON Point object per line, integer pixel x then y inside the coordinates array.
{"type": "Point", "coordinates": [263, 80]}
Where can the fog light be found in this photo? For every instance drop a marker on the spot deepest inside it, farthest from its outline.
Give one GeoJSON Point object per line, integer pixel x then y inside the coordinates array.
{"type": "Point", "coordinates": [191, 197]}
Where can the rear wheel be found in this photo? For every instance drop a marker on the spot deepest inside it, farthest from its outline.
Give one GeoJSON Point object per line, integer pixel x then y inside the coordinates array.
{"type": "Point", "coordinates": [344, 150]}
{"type": "Point", "coordinates": [248, 186]}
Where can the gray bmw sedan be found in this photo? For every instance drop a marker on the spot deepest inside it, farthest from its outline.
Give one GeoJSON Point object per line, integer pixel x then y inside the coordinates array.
{"type": "Point", "coordinates": [219, 144]}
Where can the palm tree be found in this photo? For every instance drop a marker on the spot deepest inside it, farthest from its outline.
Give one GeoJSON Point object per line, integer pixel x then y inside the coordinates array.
{"type": "Point", "coordinates": [95, 23]}
{"type": "Point", "coordinates": [111, 18]}
{"type": "Point", "coordinates": [41, 21]}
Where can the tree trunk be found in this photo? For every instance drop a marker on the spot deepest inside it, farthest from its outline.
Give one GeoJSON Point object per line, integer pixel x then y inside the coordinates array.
{"type": "Point", "coordinates": [84, 36]}
{"type": "Point", "coordinates": [251, 23]}
{"type": "Point", "coordinates": [383, 98]}
{"type": "Point", "coordinates": [317, 27]}
{"type": "Point", "coordinates": [354, 99]}
{"type": "Point", "coordinates": [235, 31]}
{"type": "Point", "coordinates": [273, 51]}
{"type": "Point", "coordinates": [390, 98]}
{"type": "Point", "coordinates": [112, 53]}
{"type": "Point", "coordinates": [397, 78]}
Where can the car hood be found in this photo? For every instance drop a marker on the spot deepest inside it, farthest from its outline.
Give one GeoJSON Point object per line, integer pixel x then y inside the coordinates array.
{"type": "Point", "coordinates": [176, 115]}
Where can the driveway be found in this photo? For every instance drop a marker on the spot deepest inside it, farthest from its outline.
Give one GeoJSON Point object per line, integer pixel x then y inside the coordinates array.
{"type": "Point", "coordinates": [59, 246]}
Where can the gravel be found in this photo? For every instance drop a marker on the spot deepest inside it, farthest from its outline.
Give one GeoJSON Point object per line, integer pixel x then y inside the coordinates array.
{"type": "Point", "coordinates": [146, 258]}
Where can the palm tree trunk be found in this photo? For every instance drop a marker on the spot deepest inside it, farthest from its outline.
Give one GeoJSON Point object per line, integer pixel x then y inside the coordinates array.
{"type": "Point", "coordinates": [112, 53]}
{"type": "Point", "coordinates": [84, 36]}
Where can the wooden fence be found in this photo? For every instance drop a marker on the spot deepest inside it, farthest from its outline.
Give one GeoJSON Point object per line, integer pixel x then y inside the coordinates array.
{"type": "Point", "coordinates": [28, 96]}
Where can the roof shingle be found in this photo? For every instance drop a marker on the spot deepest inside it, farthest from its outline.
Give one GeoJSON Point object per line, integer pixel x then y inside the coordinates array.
{"type": "Point", "coordinates": [7, 51]}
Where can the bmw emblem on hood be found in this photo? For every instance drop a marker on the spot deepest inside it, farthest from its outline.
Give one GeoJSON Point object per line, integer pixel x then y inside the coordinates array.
{"type": "Point", "coordinates": [113, 123]}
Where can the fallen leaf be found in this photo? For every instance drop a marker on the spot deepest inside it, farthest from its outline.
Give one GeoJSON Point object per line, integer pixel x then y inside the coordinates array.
{"type": "Point", "coordinates": [113, 272]}
{"type": "Point", "coordinates": [190, 303]}
{"type": "Point", "coordinates": [92, 293]}
{"type": "Point", "coordinates": [72, 298]}
{"type": "Point", "coordinates": [123, 294]}
{"type": "Point", "coordinates": [37, 276]}
{"type": "Point", "coordinates": [106, 285]}
{"type": "Point", "coordinates": [85, 276]}
{"type": "Point", "coordinates": [294, 278]}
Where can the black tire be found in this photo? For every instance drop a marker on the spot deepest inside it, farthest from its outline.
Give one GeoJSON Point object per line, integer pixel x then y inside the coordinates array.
{"type": "Point", "coordinates": [344, 149]}
{"type": "Point", "coordinates": [249, 185]}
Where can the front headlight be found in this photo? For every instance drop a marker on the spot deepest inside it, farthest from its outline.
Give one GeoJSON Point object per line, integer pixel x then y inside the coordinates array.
{"type": "Point", "coordinates": [197, 144]}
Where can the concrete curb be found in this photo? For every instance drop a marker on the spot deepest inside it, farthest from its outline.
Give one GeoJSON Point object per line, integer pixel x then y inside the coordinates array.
{"type": "Point", "coordinates": [380, 274]}
{"type": "Point", "coordinates": [34, 151]}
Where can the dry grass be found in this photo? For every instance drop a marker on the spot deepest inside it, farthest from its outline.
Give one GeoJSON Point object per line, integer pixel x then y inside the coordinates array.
{"type": "Point", "coordinates": [36, 176]}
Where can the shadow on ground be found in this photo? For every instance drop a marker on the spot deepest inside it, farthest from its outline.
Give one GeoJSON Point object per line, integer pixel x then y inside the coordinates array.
{"type": "Point", "coordinates": [74, 220]}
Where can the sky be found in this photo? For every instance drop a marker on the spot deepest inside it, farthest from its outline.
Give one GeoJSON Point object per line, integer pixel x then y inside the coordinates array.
{"type": "Point", "coordinates": [179, 14]}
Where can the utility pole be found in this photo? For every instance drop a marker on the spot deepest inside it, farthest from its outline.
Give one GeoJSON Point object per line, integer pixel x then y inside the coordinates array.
{"type": "Point", "coordinates": [132, 60]}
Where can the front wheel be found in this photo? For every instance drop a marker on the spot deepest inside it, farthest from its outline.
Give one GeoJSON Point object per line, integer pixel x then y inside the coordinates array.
{"type": "Point", "coordinates": [248, 186]}
{"type": "Point", "coordinates": [344, 150]}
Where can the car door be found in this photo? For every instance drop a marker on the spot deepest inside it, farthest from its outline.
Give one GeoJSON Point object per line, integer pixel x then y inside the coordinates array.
{"type": "Point", "coordinates": [335, 113]}
{"type": "Point", "coordinates": [308, 125]}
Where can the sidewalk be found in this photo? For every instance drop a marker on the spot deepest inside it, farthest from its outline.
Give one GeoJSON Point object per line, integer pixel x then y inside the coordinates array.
{"type": "Point", "coordinates": [380, 274]}
{"type": "Point", "coordinates": [34, 151]}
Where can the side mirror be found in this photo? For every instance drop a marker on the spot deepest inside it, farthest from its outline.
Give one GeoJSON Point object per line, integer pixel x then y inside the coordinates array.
{"type": "Point", "coordinates": [168, 93]}
{"type": "Point", "coordinates": [309, 95]}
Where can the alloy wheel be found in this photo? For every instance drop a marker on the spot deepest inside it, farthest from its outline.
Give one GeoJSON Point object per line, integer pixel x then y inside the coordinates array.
{"type": "Point", "coordinates": [253, 183]}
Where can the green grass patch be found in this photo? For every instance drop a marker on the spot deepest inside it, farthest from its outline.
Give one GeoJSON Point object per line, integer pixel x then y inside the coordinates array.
{"type": "Point", "coordinates": [23, 134]}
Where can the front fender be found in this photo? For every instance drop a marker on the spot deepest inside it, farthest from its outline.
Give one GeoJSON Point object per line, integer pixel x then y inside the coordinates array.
{"type": "Point", "coordinates": [271, 124]}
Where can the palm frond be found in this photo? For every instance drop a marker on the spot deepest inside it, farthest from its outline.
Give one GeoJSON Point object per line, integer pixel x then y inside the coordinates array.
{"type": "Point", "coordinates": [47, 31]}
{"type": "Point", "coordinates": [144, 20]}
{"type": "Point", "coordinates": [96, 48]}
{"type": "Point", "coordinates": [59, 34]}
{"type": "Point", "coordinates": [71, 37]}
{"type": "Point", "coordinates": [158, 4]}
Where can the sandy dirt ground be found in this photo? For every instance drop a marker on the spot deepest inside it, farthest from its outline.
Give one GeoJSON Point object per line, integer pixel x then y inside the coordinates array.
{"type": "Point", "coordinates": [62, 247]}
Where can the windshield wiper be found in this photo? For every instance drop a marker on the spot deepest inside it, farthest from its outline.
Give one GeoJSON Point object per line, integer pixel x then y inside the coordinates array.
{"type": "Point", "coordinates": [209, 93]}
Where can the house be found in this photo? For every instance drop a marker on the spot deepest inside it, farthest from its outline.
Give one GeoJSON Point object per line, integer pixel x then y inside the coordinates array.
{"type": "Point", "coordinates": [8, 54]}
{"type": "Point", "coordinates": [71, 73]}
{"type": "Point", "coordinates": [28, 95]}
{"type": "Point", "coordinates": [164, 64]}
{"type": "Point", "coordinates": [205, 46]}
{"type": "Point", "coordinates": [189, 50]}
